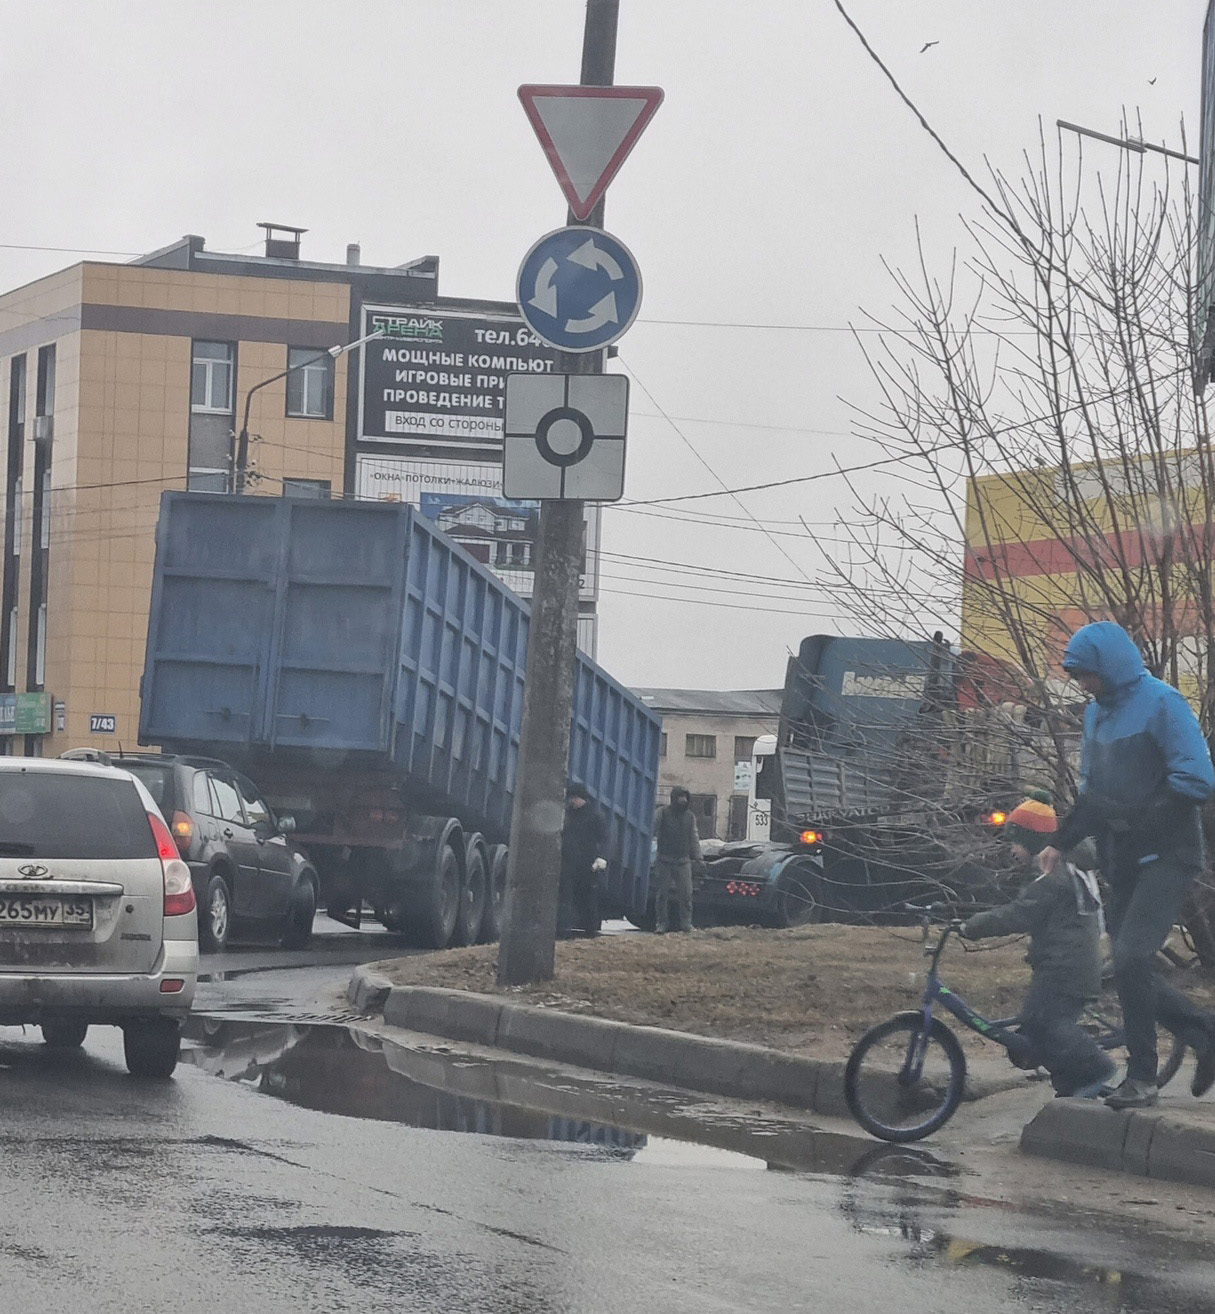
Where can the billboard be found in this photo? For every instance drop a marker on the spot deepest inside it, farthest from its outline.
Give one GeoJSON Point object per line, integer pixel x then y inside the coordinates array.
{"type": "Point", "coordinates": [464, 498]}
{"type": "Point", "coordinates": [438, 377]}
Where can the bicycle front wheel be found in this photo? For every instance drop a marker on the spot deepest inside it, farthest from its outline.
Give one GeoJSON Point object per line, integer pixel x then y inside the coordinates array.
{"type": "Point", "coordinates": [902, 1085]}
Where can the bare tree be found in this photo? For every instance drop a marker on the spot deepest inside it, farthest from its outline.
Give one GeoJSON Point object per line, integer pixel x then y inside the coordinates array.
{"type": "Point", "coordinates": [1042, 407]}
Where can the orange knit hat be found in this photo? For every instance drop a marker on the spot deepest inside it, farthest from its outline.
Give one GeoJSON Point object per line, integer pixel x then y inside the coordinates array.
{"type": "Point", "coordinates": [1031, 822]}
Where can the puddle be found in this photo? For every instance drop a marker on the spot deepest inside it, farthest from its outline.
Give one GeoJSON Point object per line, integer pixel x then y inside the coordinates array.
{"type": "Point", "coordinates": [942, 1227]}
{"type": "Point", "coordinates": [338, 1069]}
{"type": "Point", "coordinates": [913, 1205]}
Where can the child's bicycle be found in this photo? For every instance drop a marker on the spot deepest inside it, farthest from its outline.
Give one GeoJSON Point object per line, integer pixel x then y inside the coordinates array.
{"type": "Point", "coordinates": [905, 1077]}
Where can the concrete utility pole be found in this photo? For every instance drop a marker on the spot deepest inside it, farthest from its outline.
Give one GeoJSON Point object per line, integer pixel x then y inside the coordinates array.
{"type": "Point", "coordinates": [529, 928]}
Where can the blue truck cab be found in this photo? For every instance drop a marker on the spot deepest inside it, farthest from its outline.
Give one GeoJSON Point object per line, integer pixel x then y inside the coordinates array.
{"type": "Point", "coordinates": [849, 711]}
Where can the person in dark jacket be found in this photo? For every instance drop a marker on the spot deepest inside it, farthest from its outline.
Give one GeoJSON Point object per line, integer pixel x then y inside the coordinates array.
{"type": "Point", "coordinates": [678, 851]}
{"type": "Point", "coordinates": [1145, 771]}
{"type": "Point", "coordinates": [1061, 911]}
{"type": "Point", "coordinates": [583, 862]}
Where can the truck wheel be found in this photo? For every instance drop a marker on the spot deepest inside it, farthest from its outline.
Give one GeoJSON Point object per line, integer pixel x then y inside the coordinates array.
{"type": "Point", "coordinates": [495, 895]}
{"type": "Point", "coordinates": [431, 917]}
{"type": "Point", "coordinates": [472, 896]}
{"type": "Point", "coordinates": [798, 898]}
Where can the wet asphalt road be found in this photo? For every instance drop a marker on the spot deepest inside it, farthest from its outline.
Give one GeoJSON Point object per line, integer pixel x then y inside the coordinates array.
{"type": "Point", "coordinates": [208, 1194]}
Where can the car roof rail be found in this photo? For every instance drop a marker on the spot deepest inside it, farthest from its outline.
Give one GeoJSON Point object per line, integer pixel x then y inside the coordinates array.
{"type": "Point", "coordinates": [95, 755]}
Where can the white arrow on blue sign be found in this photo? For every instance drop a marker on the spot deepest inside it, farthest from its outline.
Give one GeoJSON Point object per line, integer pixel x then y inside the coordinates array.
{"type": "Point", "coordinates": [579, 289]}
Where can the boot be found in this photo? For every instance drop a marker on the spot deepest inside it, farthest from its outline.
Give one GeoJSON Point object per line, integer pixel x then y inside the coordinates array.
{"type": "Point", "coordinates": [1133, 1094]}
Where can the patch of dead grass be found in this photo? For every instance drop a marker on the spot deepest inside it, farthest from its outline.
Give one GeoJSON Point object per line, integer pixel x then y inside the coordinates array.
{"type": "Point", "coordinates": [810, 990]}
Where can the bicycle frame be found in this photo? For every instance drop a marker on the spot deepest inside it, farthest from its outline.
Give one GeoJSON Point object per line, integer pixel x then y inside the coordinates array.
{"type": "Point", "coordinates": [936, 991]}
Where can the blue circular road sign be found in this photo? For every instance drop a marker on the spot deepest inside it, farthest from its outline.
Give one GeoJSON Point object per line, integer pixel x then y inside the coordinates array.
{"type": "Point", "coordinates": [579, 289]}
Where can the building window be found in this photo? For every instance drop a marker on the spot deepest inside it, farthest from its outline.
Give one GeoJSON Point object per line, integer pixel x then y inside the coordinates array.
{"type": "Point", "coordinates": [736, 826]}
{"type": "Point", "coordinates": [704, 808]}
{"type": "Point", "coordinates": [10, 675]}
{"type": "Point", "coordinates": [46, 509]}
{"type": "Point", "coordinates": [701, 746]}
{"type": "Point", "coordinates": [211, 378]}
{"type": "Point", "coordinates": [44, 400]}
{"type": "Point", "coordinates": [314, 490]}
{"type": "Point", "coordinates": [211, 385]}
{"type": "Point", "coordinates": [744, 748]}
{"type": "Point", "coordinates": [662, 744]}
{"type": "Point", "coordinates": [40, 649]}
{"type": "Point", "coordinates": [310, 384]}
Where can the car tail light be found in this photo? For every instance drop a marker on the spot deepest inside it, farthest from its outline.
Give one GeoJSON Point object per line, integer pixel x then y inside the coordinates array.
{"type": "Point", "coordinates": [183, 832]}
{"type": "Point", "coordinates": [172, 985]}
{"type": "Point", "coordinates": [179, 888]}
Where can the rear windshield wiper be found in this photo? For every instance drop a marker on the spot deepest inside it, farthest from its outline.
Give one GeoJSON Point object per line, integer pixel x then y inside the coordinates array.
{"type": "Point", "coordinates": [9, 849]}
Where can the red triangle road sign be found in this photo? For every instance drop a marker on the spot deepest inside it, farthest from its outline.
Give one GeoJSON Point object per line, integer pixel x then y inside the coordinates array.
{"type": "Point", "coordinates": [587, 133]}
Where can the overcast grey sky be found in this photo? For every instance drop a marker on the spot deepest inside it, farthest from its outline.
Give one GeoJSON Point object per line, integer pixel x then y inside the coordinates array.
{"type": "Point", "coordinates": [777, 175]}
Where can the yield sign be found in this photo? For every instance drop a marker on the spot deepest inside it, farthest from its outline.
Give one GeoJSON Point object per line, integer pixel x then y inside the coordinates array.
{"type": "Point", "coordinates": [587, 133]}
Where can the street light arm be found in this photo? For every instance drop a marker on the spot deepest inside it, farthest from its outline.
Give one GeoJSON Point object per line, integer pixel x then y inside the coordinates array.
{"type": "Point", "coordinates": [1136, 144]}
{"type": "Point", "coordinates": [242, 442]}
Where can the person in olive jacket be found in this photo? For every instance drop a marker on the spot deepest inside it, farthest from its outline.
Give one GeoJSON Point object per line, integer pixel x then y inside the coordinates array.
{"type": "Point", "coordinates": [1061, 912]}
{"type": "Point", "coordinates": [678, 853]}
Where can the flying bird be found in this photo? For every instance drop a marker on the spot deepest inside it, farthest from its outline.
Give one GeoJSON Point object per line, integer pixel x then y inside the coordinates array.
{"type": "Point", "coordinates": [928, 45]}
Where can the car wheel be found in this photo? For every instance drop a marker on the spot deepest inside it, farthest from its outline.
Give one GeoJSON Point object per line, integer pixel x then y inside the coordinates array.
{"type": "Point", "coordinates": [215, 916]}
{"type": "Point", "coordinates": [645, 921]}
{"type": "Point", "coordinates": [151, 1049]}
{"type": "Point", "coordinates": [301, 915]}
{"type": "Point", "coordinates": [64, 1033]}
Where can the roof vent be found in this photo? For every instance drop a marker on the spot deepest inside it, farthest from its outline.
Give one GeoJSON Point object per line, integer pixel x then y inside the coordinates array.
{"type": "Point", "coordinates": [282, 241]}
{"type": "Point", "coordinates": [354, 254]}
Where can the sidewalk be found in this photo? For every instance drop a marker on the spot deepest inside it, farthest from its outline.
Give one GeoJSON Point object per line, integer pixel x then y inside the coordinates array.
{"type": "Point", "coordinates": [1175, 1141]}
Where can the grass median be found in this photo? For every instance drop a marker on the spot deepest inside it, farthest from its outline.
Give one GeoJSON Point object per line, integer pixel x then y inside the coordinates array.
{"type": "Point", "coordinates": [812, 990]}
{"type": "Point", "coordinates": [809, 991]}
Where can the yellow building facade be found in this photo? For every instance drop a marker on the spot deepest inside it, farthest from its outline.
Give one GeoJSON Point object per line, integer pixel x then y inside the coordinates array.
{"type": "Point", "coordinates": [1046, 551]}
{"type": "Point", "coordinates": [120, 382]}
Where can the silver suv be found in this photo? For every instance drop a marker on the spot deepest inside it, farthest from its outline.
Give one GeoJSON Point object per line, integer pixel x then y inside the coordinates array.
{"type": "Point", "coordinates": [97, 911]}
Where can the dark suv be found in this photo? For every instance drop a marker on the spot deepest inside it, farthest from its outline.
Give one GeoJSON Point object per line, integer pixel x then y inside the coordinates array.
{"type": "Point", "coordinates": [248, 876]}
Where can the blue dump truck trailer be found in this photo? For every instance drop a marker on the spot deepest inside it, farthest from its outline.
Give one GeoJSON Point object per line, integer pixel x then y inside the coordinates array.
{"type": "Point", "coordinates": [367, 673]}
{"type": "Point", "coordinates": [840, 795]}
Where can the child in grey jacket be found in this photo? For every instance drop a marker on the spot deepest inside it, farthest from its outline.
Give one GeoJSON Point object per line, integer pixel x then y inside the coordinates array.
{"type": "Point", "coordinates": [1061, 912]}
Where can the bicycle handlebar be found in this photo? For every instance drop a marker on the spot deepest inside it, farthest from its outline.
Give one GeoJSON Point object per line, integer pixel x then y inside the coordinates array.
{"type": "Point", "coordinates": [934, 912]}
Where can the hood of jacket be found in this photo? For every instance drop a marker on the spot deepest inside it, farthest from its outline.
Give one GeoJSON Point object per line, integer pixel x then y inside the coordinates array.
{"type": "Point", "coordinates": [1105, 649]}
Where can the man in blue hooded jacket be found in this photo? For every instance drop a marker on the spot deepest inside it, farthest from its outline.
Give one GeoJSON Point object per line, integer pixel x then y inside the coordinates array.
{"type": "Point", "coordinates": [1145, 771]}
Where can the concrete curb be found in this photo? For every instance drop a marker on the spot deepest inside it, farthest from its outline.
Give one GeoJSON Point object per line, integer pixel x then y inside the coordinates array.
{"type": "Point", "coordinates": [368, 991]}
{"type": "Point", "coordinates": [678, 1058]}
{"type": "Point", "coordinates": [1145, 1143]}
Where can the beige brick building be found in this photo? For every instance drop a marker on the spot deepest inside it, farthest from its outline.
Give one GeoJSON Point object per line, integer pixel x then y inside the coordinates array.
{"type": "Point", "coordinates": [121, 381]}
{"type": "Point", "coordinates": [705, 734]}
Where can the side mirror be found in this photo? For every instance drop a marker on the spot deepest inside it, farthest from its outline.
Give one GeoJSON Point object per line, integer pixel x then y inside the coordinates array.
{"type": "Point", "coordinates": [286, 826]}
